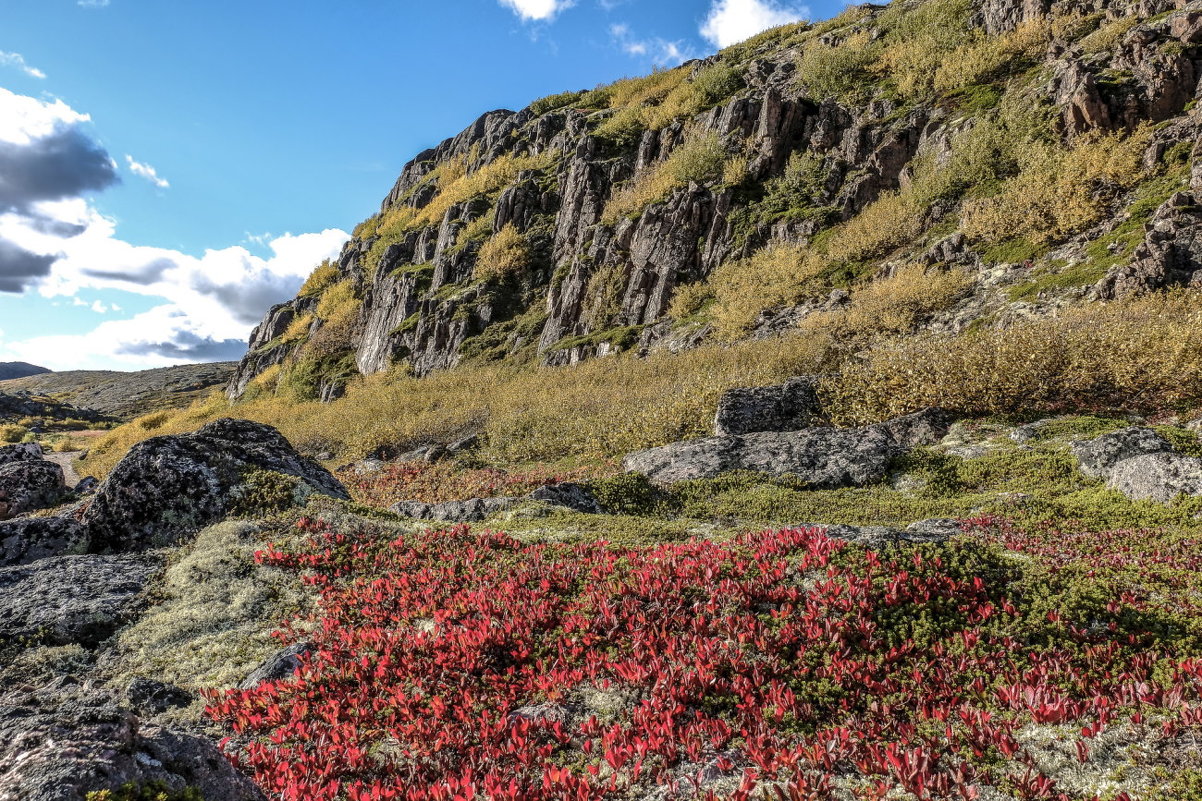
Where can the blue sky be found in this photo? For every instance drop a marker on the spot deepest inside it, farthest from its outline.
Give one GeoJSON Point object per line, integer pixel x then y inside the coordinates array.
{"type": "Point", "coordinates": [170, 169]}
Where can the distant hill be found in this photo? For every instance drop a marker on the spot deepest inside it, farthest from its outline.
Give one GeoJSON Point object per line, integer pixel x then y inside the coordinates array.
{"type": "Point", "coordinates": [126, 395]}
{"type": "Point", "coordinates": [19, 370]}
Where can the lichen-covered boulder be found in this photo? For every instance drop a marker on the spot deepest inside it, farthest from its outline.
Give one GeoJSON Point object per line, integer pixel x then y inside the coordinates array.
{"type": "Point", "coordinates": [29, 485]}
{"type": "Point", "coordinates": [1098, 456]}
{"type": "Point", "coordinates": [71, 600]}
{"type": "Point", "coordinates": [23, 452]}
{"type": "Point", "coordinates": [170, 487]}
{"type": "Point", "coordinates": [61, 744]}
{"type": "Point", "coordinates": [824, 458]}
{"type": "Point", "coordinates": [1157, 477]}
{"type": "Point", "coordinates": [790, 406]}
{"type": "Point", "coordinates": [29, 539]}
{"type": "Point", "coordinates": [472, 510]}
{"type": "Point", "coordinates": [568, 495]}
{"type": "Point", "coordinates": [925, 427]}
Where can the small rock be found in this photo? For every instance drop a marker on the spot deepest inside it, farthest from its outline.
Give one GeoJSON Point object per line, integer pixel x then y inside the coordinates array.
{"type": "Point", "coordinates": [937, 529]}
{"type": "Point", "coordinates": [22, 452]}
{"type": "Point", "coordinates": [825, 458]}
{"type": "Point", "coordinates": [280, 665]}
{"type": "Point", "coordinates": [172, 486]}
{"type": "Point", "coordinates": [1098, 456]}
{"type": "Point", "coordinates": [87, 486]}
{"type": "Point", "coordinates": [29, 539]}
{"type": "Point", "coordinates": [150, 697]}
{"type": "Point", "coordinates": [468, 443]}
{"type": "Point", "coordinates": [568, 495]}
{"type": "Point", "coordinates": [469, 511]}
{"type": "Point", "coordinates": [63, 744]}
{"type": "Point", "coordinates": [925, 427]}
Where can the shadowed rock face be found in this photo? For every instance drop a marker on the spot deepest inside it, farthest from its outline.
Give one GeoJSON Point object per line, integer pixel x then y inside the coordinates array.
{"type": "Point", "coordinates": [170, 487]}
{"type": "Point", "coordinates": [62, 744]}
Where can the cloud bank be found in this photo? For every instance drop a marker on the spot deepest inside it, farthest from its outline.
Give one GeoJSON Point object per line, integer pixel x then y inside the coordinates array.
{"type": "Point", "coordinates": [54, 242]}
{"type": "Point", "coordinates": [733, 21]}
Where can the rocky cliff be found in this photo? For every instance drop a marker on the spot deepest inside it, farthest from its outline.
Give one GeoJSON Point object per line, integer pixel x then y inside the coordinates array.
{"type": "Point", "coordinates": [617, 218]}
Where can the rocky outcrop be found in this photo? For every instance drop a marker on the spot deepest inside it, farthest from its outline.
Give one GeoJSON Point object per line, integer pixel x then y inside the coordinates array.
{"type": "Point", "coordinates": [71, 600]}
{"type": "Point", "coordinates": [1170, 255]}
{"type": "Point", "coordinates": [790, 406]}
{"type": "Point", "coordinates": [170, 487]}
{"type": "Point", "coordinates": [29, 485]}
{"type": "Point", "coordinates": [32, 538]}
{"type": "Point", "coordinates": [64, 743]}
{"type": "Point", "coordinates": [23, 452]}
{"type": "Point", "coordinates": [824, 458]}
{"type": "Point", "coordinates": [1141, 464]}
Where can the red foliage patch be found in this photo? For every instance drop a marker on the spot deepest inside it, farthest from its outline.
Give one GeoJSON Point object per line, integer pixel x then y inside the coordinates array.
{"type": "Point", "coordinates": [781, 657]}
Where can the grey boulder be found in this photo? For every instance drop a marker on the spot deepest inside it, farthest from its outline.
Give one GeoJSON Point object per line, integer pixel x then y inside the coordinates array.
{"type": "Point", "coordinates": [1098, 456]}
{"type": "Point", "coordinates": [925, 427]}
{"type": "Point", "coordinates": [790, 406]}
{"type": "Point", "coordinates": [64, 744]}
{"type": "Point", "coordinates": [71, 599]}
{"type": "Point", "coordinates": [29, 539]}
{"type": "Point", "coordinates": [29, 485]}
{"type": "Point", "coordinates": [1157, 477]}
{"type": "Point", "coordinates": [824, 458]}
{"type": "Point", "coordinates": [169, 487]}
{"type": "Point", "coordinates": [568, 495]}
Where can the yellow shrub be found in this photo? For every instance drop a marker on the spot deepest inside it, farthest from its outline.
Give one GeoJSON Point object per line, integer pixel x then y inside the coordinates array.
{"type": "Point", "coordinates": [840, 70]}
{"type": "Point", "coordinates": [492, 177]}
{"type": "Point", "coordinates": [338, 302]}
{"type": "Point", "coordinates": [319, 280]}
{"type": "Point", "coordinates": [894, 305]}
{"type": "Point", "coordinates": [297, 329]}
{"type": "Point", "coordinates": [985, 56]}
{"type": "Point", "coordinates": [1141, 355]}
{"type": "Point", "coordinates": [1059, 191]}
{"type": "Point", "coordinates": [1109, 34]}
{"type": "Point", "coordinates": [699, 158]}
{"type": "Point", "coordinates": [893, 220]}
{"type": "Point", "coordinates": [689, 299]}
{"type": "Point", "coordinates": [505, 253]}
{"type": "Point", "coordinates": [779, 274]}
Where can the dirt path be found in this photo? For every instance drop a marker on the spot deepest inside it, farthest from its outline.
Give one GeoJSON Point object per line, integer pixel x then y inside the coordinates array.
{"type": "Point", "coordinates": [66, 461]}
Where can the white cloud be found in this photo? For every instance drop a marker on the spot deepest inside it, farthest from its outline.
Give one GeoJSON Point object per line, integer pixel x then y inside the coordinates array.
{"type": "Point", "coordinates": [732, 21]}
{"type": "Point", "coordinates": [147, 172]}
{"type": "Point", "coordinates": [662, 52]}
{"type": "Point", "coordinates": [536, 9]}
{"type": "Point", "coordinates": [18, 61]}
{"type": "Point", "coordinates": [24, 119]}
{"type": "Point", "coordinates": [93, 3]}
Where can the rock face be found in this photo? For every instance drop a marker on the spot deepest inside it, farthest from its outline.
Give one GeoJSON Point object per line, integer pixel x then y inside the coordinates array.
{"type": "Point", "coordinates": [1170, 255]}
{"type": "Point", "coordinates": [32, 538]}
{"type": "Point", "coordinates": [172, 486]}
{"type": "Point", "coordinates": [825, 458]}
{"type": "Point", "coordinates": [71, 599]}
{"type": "Point", "coordinates": [1141, 464]}
{"type": "Point", "coordinates": [62, 745]}
{"type": "Point", "coordinates": [790, 406]}
{"type": "Point", "coordinates": [24, 452]}
{"type": "Point", "coordinates": [29, 485]}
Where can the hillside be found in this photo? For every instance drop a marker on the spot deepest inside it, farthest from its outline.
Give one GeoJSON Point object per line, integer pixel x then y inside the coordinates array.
{"type": "Point", "coordinates": [818, 421]}
{"type": "Point", "coordinates": [126, 394]}
{"type": "Point", "coordinates": [19, 370]}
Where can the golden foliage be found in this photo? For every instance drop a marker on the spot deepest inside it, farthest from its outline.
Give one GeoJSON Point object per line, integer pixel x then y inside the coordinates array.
{"type": "Point", "coordinates": [323, 277]}
{"type": "Point", "coordinates": [779, 274]}
{"type": "Point", "coordinates": [504, 253]}
{"type": "Point", "coordinates": [1059, 191]}
{"type": "Point", "coordinates": [338, 302]}
{"type": "Point", "coordinates": [492, 177]}
{"type": "Point", "coordinates": [699, 158]}
{"type": "Point", "coordinates": [1143, 354]}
